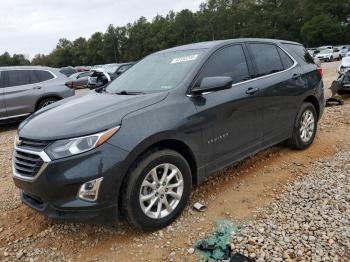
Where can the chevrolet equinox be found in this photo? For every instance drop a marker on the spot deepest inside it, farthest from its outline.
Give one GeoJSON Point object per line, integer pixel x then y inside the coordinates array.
{"type": "Point", "coordinates": [135, 149]}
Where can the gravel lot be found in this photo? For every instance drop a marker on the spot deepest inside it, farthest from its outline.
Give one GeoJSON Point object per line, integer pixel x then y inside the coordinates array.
{"type": "Point", "coordinates": [296, 202]}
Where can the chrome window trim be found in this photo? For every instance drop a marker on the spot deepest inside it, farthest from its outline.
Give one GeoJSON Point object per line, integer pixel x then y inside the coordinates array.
{"type": "Point", "coordinates": [41, 154]}
{"type": "Point", "coordinates": [262, 77]}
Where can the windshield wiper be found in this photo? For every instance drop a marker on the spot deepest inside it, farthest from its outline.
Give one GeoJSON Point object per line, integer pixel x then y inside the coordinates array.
{"type": "Point", "coordinates": [127, 93]}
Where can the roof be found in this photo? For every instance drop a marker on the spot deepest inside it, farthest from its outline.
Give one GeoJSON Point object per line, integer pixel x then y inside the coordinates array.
{"type": "Point", "coordinates": [216, 43]}
{"type": "Point", "coordinates": [27, 68]}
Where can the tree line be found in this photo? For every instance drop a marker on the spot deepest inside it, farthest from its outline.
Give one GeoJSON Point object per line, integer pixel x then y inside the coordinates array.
{"type": "Point", "coordinates": [311, 22]}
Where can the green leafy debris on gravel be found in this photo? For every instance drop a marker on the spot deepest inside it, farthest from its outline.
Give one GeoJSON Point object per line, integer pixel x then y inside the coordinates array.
{"type": "Point", "coordinates": [217, 242]}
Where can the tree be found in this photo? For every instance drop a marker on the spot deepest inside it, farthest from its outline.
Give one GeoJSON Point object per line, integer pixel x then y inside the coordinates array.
{"type": "Point", "coordinates": [321, 29]}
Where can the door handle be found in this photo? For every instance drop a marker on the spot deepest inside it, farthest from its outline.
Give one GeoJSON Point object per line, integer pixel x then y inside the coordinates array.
{"type": "Point", "coordinates": [296, 76]}
{"type": "Point", "coordinates": [252, 90]}
{"type": "Point", "coordinates": [37, 87]}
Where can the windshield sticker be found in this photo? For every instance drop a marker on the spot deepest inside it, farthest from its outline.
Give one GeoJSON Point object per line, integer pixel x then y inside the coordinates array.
{"type": "Point", "coordinates": [184, 59]}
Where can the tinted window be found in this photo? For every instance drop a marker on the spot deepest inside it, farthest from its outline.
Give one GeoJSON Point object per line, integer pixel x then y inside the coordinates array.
{"type": "Point", "coordinates": [266, 58]}
{"type": "Point", "coordinates": [229, 61]}
{"type": "Point", "coordinates": [2, 84]}
{"type": "Point", "coordinates": [18, 77]}
{"type": "Point", "coordinates": [286, 60]}
{"type": "Point", "coordinates": [42, 75]}
{"type": "Point", "coordinates": [122, 69]}
{"type": "Point", "coordinates": [301, 52]}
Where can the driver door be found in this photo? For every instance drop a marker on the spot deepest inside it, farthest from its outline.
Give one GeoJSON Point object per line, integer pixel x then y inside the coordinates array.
{"type": "Point", "coordinates": [231, 119]}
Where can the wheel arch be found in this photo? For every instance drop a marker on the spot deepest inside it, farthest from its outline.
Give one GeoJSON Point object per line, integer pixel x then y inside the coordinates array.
{"type": "Point", "coordinates": [46, 96]}
{"type": "Point", "coordinates": [313, 100]}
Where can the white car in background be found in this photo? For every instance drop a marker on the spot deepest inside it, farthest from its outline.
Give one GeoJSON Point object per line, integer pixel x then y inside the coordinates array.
{"type": "Point", "coordinates": [328, 55]}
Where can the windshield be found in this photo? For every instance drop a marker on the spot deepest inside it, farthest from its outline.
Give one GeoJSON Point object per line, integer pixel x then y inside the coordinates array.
{"type": "Point", "coordinates": [158, 72]}
{"type": "Point", "coordinates": [326, 51]}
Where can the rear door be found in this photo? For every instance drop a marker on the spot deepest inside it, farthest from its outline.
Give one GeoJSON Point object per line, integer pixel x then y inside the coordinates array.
{"type": "Point", "coordinates": [3, 113]}
{"type": "Point", "coordinates": [231, 118]}
{"type": "Point", "coordinates": [279, 80]}
{"type": "Point", "coordinates": [21, 92]}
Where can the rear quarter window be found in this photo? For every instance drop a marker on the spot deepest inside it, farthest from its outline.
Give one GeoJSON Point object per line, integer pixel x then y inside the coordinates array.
{"type": "Point", "coordinates": [301, 52]}
{"type": "Point", "coordinates": [266, 58]}
{"type": "Point", "coordinates": [42, 75]}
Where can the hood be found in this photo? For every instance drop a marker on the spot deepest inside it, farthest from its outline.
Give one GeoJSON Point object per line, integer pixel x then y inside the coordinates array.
{"type": "Point", "coordinates": [84, 115]}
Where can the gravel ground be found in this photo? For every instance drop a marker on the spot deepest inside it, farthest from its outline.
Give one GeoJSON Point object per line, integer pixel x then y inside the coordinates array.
{"type": "Point", "coordinates": [310, 221]}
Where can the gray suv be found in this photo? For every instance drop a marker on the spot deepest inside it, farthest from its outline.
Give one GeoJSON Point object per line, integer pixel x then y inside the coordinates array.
{"type": "Point", "coordinates": [23, 90]}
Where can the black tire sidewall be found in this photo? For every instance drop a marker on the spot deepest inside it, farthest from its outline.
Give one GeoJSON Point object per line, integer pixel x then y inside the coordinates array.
{"type": "Point", "coordinates": [133, 208]}
{"type": "Point", "coordinates": [40, 106]}
{"type": "Point", "coordinates": [300, 143]}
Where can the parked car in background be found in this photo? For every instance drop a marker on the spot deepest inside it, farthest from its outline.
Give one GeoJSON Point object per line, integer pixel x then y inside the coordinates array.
{"type": "Point", "coordinates": [343, 52]}
{"type": "Point", "coordinates": [170, 121]}
{"type": "Point", "coordinates": [26, 89]}
{"type": "Point", "coordinates": [79, 80]}
{"type": "Point", "coordinates": [345, 65]}
{"type": "Point", "coordinates": [68, 71]}
{"type": "Point", "coordinates": [120, 69]}
{"type": "Point", "coordinates": [328, 55]}
{"type": "Point", "coordinates": [82, 68]}
{"type": "Point", "coordinates": [99, 78]}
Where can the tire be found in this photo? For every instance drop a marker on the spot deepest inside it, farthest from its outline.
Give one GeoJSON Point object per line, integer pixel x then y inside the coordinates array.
{"type": "Point", "coordinates": [298, 141]}
{"type": "Point", "coordinates": [140, 183]}
{"type": "Point", "coordinates": [331, 59]}
{"type": "Point", "coordinates": [46, 102]}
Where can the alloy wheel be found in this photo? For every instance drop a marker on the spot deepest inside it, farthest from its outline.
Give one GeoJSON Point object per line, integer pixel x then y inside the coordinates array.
{"type": "Point", "coordinates": [307, 126]}
{"type": "Point", "coordinates": [161, 191]}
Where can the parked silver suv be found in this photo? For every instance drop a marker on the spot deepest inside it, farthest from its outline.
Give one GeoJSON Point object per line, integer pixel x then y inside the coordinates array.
{"type": "Point", "coordinates": [25, 89]}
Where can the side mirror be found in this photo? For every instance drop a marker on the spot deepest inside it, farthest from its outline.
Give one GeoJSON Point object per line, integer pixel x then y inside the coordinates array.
{"type": "Point", "coordinates": [212, 84]}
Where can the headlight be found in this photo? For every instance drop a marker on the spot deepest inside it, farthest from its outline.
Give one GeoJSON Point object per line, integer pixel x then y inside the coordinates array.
{"type": "Point", "coordinates": [74, 146]}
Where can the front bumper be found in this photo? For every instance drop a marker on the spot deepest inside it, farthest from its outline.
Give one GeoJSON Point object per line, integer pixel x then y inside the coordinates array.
{"type": "Point", "coordinates": [54, 192]}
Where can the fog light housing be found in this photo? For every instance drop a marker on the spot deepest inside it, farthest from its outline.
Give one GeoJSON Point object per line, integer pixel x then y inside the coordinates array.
{"type": "Point", "coordinates": [89, 190]}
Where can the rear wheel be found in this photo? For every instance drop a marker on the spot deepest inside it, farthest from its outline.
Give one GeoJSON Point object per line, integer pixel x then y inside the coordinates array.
{"type": "Point", "coordinates": [305, 127]}
{"type": "Point", "coordinates": [157, 190]}
{"type": "Point", "coordinates": [46, 102]}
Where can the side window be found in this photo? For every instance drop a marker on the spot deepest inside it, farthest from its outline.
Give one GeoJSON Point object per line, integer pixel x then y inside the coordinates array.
{"type": "Point", "coordinates": [42, 75]}
{"type": "Point", "coordinates": [300, 51]}
{"type": "Point", "coordinates": [266, 58]}
{"type": "Point", "coordinates": [18, 78]}
{"type": "Point", "coordinates": [2, 80]}
{"type": "Point", "coordinates": [229, 61]}
{"type": "Point", "coordinates": [286, 60]}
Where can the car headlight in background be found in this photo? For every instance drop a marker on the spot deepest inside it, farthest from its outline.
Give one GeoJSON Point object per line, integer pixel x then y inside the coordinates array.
{"type": "Point", "coordinates": [74, 146]}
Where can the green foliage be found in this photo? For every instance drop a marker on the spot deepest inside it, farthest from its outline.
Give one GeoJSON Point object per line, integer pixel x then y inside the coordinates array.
{"type": "Point", "coordinates": [312, 22]}
{"type": "Point", "coordinates": [322, 28]}
{"type": "Point", "coordinates": [15, 60]}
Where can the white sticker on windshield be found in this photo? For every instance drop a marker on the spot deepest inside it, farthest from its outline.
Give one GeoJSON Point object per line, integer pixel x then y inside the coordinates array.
{"type": "Point", "coordinates": [184, 59]}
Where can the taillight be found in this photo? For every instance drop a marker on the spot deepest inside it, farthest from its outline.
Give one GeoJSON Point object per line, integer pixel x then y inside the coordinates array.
{"type": "Point", "coordinates": [69, 84]}
{"type": "Point", "coordinates": [319, 71]}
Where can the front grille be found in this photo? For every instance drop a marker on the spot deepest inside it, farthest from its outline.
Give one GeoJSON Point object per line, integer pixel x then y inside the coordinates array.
{"type": "Point", "coordinates": [33, 144]}
{"type": "Point", "coordinates": [27, 164]}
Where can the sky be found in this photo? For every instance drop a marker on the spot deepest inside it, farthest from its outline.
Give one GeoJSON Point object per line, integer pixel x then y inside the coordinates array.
{"type": "Point", "coordinates": [34, 26]}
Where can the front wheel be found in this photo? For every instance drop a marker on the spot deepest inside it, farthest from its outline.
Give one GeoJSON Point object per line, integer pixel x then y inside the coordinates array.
{"type": "Point", "coordinates": [46, 102]}
{"type": "Point", "coordinates": [305, 127]}
{"type": "Point", "coordinates": [157, 190]}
